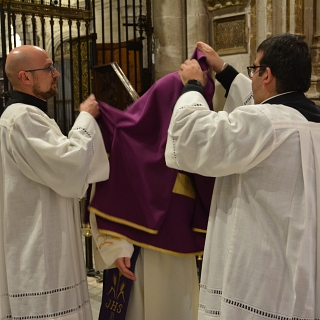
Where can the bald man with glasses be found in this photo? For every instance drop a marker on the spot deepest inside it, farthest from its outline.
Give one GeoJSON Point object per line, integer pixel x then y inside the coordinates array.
{"type": "Point", "coordinates": [42, 176]}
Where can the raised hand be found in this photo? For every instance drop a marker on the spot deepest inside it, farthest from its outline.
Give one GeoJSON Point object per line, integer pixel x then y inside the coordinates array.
{"type": "Point", "coordinates": [191, 70]}
{"type": "Point", "coordinates": [213, 59]}
{"type": "Point", "coordinates": [91, 106]}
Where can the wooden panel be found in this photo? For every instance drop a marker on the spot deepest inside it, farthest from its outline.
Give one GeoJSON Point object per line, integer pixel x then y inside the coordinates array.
{"type": "Point", "coordinates": [112, 86]}
{"type": "Point", "coordinates": [130, 54]}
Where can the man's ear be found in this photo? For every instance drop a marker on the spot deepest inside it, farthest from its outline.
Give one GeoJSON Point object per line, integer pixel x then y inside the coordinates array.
{"type": "Point", "coordinates": [23, 77]}
{"type": "Point", "coordinates": [268, 76]}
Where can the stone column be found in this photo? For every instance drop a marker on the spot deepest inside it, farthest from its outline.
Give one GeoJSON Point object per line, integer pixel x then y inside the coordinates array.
{"type": "Point", "coordinates": [314, 92]}
{"type": "Point", "coordinates": [230, 35]}
{"type": "Point", "coordinates": [197, 24]}
{"type": "Point", "coordinates": [279, 13]}
{"type": "Point", "coordinates": [169, 36]}
{"type": "Point", "coordinates": [296, 17]}
{"type": "Point", "coordinates": [263, 26]}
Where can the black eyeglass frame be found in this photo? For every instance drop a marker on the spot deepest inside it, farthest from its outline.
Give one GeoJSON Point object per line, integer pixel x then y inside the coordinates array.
{"type": "Point", "coordinates": [52, 68]}
{"type": "Point", "coordinates": [250, 68]}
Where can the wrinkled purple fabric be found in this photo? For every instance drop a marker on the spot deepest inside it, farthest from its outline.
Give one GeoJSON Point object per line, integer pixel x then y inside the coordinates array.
{"type": "Point", "coordinates": [139, 189]}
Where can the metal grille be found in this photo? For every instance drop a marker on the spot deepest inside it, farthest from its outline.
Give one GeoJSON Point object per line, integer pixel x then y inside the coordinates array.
{"type": "Point", "coordinates": [79, 36]}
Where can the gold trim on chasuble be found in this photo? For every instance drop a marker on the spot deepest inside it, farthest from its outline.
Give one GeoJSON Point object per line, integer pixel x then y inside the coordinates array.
{"type": "Point", "coordinates": [148, 246]}
{"type": "Point", "coordinates": [122, 221]}
{"type": "Point", "coordinates": [183, 186]}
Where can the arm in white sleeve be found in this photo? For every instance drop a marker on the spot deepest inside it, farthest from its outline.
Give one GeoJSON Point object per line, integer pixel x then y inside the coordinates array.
{"type": "Point", "coordinates": [108, 249]}
{"type": "Point", "coordinates": [240, 93]}
{"type": "Point", "coordinates": [216, 143]}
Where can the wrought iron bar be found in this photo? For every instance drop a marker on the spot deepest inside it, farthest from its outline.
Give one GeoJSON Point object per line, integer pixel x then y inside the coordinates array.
{"type": "Point", "coordinates": [34, 30]}
{"type": "Point", "coordinates": [102, 33]}
{"type": "Point", "coordinates": [53, 59]}
{"type": "Point", "coordinates": [127, 41]}
{"type": "Point", "coordinates": [3, 45]}
{"type": "Point", "coordinates": [135, 41]}
{"type": "Point", "coordinates": [71, 72]}
{"type": "Point", "coordinates": [42, 20]}
{"type": "Point", "coordinates": [9, 26]}
{"type": "Point", "coordinates": [24, 33]}
{"type": "Point", "coordinates": [88, 56]}
{"type": "Point", "coordinates": [14, 27]}
{"type": "Point", "coordinates": [79, 61]}
{"type": "Point", "coordinates": [111, 31]}
{"type": "Point", "coordinates": [62, 79]}
{"type": "Point", "coordinates": [119, 35]}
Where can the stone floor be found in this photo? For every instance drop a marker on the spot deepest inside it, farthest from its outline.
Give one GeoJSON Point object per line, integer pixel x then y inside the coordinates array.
{"type": "Point", "coordinates": [94, 284]}
{"type": "Point", "coordinates": [95, 291]}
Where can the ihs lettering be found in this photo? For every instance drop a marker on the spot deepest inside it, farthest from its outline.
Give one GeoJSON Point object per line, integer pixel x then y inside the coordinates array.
{"type": "Point", "coordinates": [114, 306]}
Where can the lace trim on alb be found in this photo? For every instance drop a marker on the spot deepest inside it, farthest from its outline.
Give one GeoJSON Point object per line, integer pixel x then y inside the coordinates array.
{"type": "Point", "coordinates": [43, 293]}
{"type": "Point", "coordinates": [55, 314]}
{"type": "Point", "coordinates": [265, 314]}
{"type": "Point", "coordinates": [83, 129]}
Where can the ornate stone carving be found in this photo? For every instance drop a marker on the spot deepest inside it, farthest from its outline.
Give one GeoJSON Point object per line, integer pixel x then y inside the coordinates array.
{"type": "Point", "coordinates": [230, 35]}
{"type": "Point", "coordinates": [212, 5]}
{"type": "Point", "coordinates": [47, 10]}
{"type": "Point", "coordinates": [80, 81]}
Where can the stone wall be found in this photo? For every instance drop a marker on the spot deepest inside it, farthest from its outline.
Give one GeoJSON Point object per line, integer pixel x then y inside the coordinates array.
{"type": "Point", "coordinates": [178, 25]}
{"type": "Point", "coordinates": [235, 29]}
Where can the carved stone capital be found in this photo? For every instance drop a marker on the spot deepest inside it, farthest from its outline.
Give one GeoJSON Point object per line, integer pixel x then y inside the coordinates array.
{"type": "Point", "coordinates": [213, 5]}
{"type": "Point", "coordinates": [47, 10]}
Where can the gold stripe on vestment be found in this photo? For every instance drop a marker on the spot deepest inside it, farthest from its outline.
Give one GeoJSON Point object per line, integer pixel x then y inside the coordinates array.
{"type": "Point", "coordinates": [122, 221]}
{"type": "Point", "coordinates": [184, 186]}
{"type": "Point", "coordinates": [148, 246]}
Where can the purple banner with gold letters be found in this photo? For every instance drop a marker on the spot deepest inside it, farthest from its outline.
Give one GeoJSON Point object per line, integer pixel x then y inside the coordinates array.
{"type": "Point", "coordinates": [116, 292]}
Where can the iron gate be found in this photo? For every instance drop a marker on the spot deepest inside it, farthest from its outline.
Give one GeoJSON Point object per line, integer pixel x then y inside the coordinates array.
{"type": "Point", "coordinates": [79, 36]}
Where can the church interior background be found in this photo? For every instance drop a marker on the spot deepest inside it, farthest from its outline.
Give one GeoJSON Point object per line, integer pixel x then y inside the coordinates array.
{"type": "Point", "coordinates": [118, 48]}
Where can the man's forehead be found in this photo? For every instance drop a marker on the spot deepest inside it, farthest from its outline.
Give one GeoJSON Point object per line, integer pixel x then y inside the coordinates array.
{"type": "Point", "coordinates": [42, 59]}
{"type": "Point", "coordinates": [48, 61]}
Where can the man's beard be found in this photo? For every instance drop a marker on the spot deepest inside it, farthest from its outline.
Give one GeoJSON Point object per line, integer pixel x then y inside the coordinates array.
{"type": "Point", "coordinates": [44, 95]}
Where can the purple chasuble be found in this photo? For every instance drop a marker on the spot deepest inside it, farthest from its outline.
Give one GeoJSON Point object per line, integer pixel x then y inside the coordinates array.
{"type": "Point", "coordinates": [143, 200]}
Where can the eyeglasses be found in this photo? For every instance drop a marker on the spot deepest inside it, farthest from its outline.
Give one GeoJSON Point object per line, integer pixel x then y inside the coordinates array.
{"type": "Point", "coordinates": [252, 70]}
{"type": "Point", "coordinates": [52, 68]}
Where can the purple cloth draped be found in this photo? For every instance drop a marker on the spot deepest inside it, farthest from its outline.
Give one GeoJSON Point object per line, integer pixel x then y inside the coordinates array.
{"type": "Point", "coordinates": [137, 202]}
